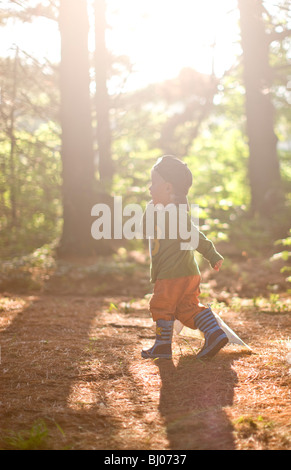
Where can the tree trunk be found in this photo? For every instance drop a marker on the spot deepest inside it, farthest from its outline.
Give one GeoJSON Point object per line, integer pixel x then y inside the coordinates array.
{"type": "Point", "coordinates": [11, 133]}
{"type": "Point", "coordinates": [77, 135]}
{"type": "Point", "coordinates": [264, 171]}
{"type": "Point", "coordinates": [102, 99]}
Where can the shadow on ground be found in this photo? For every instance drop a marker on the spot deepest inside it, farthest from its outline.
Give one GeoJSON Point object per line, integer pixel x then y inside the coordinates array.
{"type": "Point", "coordinates": [192, 401]}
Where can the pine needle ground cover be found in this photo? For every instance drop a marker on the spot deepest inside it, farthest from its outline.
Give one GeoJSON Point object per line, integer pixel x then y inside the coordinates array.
{"type": "Point", "coordinates": [72, 376]}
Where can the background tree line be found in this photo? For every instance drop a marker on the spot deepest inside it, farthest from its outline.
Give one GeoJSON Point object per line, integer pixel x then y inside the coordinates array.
{"type": "Point", "coordinates": [66, 143]}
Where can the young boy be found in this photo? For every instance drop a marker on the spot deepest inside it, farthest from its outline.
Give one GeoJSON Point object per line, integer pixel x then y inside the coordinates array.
{"type": "Point", "coordinates": [175, 272]}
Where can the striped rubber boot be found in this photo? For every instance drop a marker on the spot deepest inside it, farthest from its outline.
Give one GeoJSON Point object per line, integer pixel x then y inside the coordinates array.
{"type": "Point", "coordinates": [163, 344]}
{"type": "Point", "coordinates": [215, 338]}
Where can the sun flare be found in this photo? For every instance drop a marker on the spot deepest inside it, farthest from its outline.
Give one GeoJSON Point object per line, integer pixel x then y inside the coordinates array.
{"type": "Point", "coordinates": [160, 37]}
{"type": "Point", "coordinates": [163, 37]}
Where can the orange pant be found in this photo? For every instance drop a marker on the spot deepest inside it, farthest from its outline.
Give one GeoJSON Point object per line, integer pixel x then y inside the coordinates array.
{"type": "Point", "coordinates": [176, 298]}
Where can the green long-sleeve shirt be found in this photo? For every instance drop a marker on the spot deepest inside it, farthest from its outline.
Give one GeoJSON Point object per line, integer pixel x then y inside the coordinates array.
{"type": "Point", "coordinates": [169, 261]}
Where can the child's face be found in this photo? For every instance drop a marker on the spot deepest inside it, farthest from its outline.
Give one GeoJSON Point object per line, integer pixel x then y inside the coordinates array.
{"type": "Point", "coordinates": [161, 191]}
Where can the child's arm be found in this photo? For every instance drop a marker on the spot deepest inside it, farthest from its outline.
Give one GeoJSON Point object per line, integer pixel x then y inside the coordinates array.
{"type": "Point", "coordinates": [198, 241]}
{"type": "Point", "coordinates": [208, 251]}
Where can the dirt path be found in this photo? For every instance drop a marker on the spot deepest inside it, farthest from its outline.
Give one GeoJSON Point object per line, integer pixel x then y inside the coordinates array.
{"type": "Point", "coordinates": [72, 378]}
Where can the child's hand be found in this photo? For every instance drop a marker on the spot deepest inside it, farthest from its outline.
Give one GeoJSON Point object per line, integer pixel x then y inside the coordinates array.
{"type": "Point", "coordinates": [218, 265]}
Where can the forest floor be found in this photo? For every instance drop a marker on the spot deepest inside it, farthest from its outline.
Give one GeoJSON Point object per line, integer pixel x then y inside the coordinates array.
{"type": "Point", "coordinates": [72, 376]}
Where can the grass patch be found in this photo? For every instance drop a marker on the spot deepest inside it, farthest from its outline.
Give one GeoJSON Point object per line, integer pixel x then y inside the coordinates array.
{"type": "Point", "coordinates": [36, 438]}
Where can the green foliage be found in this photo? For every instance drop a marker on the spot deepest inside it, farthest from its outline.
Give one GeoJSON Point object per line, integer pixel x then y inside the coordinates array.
{"type": "Point", "coordinates": [37, 185]}
{"type": "Point", "coordinates": [30, 163]}
{"type": "Point", "coordinates": [33, 439]}
{"type": "Point", "coordinates": [284, 255]}
{"type": "Point", "coordinates": [218, 163]}
{"type": "Point", "coordinates": [28, 271]}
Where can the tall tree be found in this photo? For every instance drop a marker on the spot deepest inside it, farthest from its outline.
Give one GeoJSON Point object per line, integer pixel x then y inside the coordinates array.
{"type": "Point", "coordinates": [11, 133]}
{"type": "Point", "coordinates": [102, 104]}
{"type": "Point", "coordinates": [264, 171]}
{"type": "Point", "coordinates": [77, 135]}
